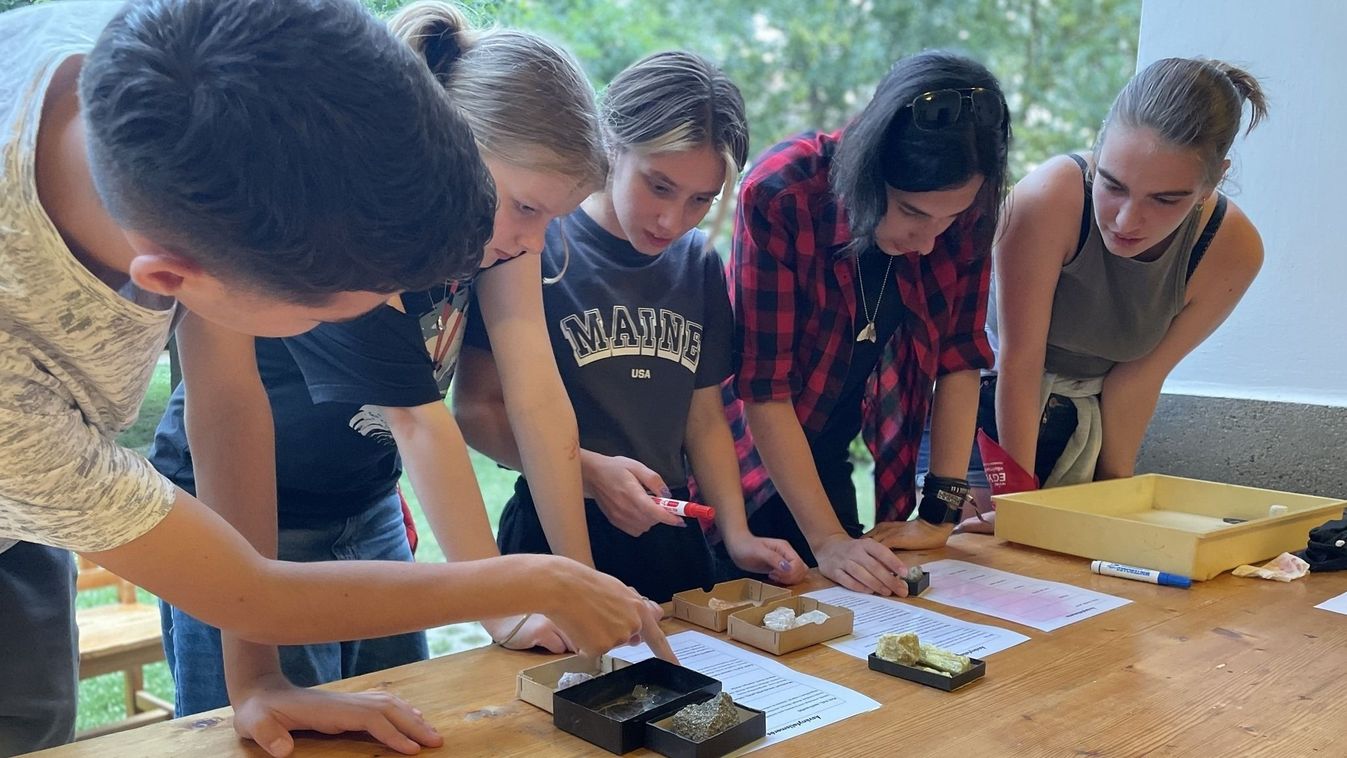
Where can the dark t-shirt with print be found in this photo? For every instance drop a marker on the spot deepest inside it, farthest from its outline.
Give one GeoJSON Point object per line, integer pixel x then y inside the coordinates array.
{"type": "Point", "coordinates": [334, 453]}
{"type": "Point", "coordinates": [633, 336]}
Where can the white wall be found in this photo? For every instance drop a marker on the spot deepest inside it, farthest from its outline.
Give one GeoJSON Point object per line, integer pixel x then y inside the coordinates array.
{"type": "Point", "coordinates": [1286, 339]}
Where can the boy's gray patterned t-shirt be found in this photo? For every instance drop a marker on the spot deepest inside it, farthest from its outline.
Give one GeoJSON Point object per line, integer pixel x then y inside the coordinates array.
{"type": "Point", "coordinates": [75, 356]}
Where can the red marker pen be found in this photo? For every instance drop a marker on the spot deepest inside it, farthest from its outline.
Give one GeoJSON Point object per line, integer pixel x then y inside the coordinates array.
{"type": "Point", "coordinates": [684, 508]}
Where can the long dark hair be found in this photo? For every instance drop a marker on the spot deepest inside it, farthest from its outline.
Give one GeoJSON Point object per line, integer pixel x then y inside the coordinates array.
{"type": "Point", "coordinates": [884, 142]}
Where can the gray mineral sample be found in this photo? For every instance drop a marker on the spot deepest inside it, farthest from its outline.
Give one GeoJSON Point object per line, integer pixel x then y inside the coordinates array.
{"type": "Point", "coordinates": [705, 720]}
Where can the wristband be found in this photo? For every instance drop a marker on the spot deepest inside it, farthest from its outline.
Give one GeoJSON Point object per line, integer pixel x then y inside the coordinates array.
{"type": "Point", "coordinates": [515, 630]}
{"type": "Point", "coordinates": [942, 499]}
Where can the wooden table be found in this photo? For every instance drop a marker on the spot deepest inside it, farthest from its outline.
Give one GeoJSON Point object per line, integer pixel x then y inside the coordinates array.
{"type": "Point", "coordinates": [1232, 667]}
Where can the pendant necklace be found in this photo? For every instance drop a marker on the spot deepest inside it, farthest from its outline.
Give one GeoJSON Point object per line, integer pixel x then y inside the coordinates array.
{"type": "Point", "coordinates": [868, 332]}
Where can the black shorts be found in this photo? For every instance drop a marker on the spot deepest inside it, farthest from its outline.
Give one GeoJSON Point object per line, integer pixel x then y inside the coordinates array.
{"type": "Point", "coordinates": [664, 560]}
{"type": "Point", "coordinates": [1055, 427]}
{"type": "Point", "coordinates": [774, 519]}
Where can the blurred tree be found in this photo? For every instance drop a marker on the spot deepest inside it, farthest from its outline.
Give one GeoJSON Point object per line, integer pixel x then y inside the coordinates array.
{"type": "Point", "coordinates": [812, 65]}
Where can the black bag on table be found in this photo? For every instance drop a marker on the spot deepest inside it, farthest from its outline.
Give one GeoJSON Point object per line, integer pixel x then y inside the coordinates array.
{"type": "Point", "coordinates": [1324, 552]}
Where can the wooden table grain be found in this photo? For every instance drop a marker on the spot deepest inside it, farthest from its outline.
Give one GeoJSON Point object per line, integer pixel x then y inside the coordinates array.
{"type": "Point", "coordinates": [1231, 667]}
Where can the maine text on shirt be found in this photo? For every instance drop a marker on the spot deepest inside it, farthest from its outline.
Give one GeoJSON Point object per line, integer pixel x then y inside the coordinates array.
{"type": "Point", "coordinates": [661, 333]}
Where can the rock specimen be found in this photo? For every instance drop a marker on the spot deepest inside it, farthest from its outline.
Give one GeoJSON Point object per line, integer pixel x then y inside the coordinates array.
{"type": "Point", "coordinates": [717, 604]}
{"type": "Point", "coordinates": [572, 678]}
{"type": "Point", "coordinates": [703, 721]}
{"type": "Point", "coordinates": [908, 650]}
{"type": "Point", "coordinates": [781, 619]}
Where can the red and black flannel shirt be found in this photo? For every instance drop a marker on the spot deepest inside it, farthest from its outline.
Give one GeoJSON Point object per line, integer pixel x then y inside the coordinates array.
{"type": "Point", "coordinates": [795, 318]}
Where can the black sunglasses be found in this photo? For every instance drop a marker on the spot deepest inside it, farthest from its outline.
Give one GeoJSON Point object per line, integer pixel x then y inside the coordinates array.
{"type": "Point", "coordinates": [941, 108]}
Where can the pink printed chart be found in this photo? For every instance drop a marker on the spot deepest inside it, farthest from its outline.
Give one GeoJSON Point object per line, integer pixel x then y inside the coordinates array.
{"type": "Point", "coordinates": [1038, 603]}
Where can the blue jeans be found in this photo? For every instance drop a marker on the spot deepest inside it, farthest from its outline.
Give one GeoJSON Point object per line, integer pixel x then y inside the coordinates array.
{"type": "Point", "coordinates": [39, 648]}
{"type": "Point", "coordinates": [193, 648]}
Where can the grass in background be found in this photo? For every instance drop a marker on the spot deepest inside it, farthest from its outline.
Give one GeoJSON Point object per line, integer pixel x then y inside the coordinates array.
{"type": "Point", "coordinates": [101, 699]}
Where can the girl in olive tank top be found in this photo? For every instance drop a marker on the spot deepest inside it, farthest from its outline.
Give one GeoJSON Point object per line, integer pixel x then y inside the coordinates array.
{"type": "Point", "coordinates": [1112, 266]}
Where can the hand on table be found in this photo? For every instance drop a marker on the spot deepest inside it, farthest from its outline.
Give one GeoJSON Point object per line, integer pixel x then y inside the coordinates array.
{"type": "Point", "coordinates": [622, 486]}
{"type": "Point", "coordinates": [975, 525]}
{"type": "Point", "coordinates": [272, 708]}
{"type": "Point", "coordinates": [917, 534]}
{"type": "Point", "coordinates": [862, 565]}
{"type": "Point", "coordinates": [537, 631]}
{"type": "Point", "coordinates": [765, 555]}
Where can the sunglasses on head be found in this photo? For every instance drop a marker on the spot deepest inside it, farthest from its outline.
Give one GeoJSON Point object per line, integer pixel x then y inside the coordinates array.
{"type": "Point", "coordinates": [941, 108]}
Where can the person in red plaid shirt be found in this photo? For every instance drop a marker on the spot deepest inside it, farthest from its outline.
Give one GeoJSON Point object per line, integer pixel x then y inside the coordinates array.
{"type": "Point", "coordinates": [860, 273]}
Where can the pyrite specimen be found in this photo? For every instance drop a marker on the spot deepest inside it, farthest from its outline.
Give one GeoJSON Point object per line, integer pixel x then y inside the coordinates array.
{"type": "Point", "coordinates": [703, 721]}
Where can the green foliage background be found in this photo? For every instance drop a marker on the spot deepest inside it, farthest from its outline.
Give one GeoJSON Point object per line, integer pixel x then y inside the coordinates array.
{"type": "Point", "coordinates": [812, 64]}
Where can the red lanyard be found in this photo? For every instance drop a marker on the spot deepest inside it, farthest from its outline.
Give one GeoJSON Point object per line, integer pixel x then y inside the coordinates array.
{"type": "Point", "coordinates": [442, 345]}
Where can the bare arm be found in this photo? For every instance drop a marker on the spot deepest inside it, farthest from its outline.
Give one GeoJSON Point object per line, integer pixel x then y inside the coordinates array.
{"type": "Point", "coordinates": [1131, 390]}
{"type": "Point", "coordinates": [539, 411]}
{"type": "Point", "coordinates": [479, 407]}
{"type": "Point", "coordinates": [953, 417]}
{"type": "Point", "coordinates": [621, 486]}
{"type": "Point", "coordinates": [226, 583]}
{"type": "Point", "coordinates": [437, 463]}
{"type": "Point", "coordinates": [954, 411]}
{"type": "Point", "coordinates": [857, 564]}
{"type": "Point", "coordinates": [1039, 230]}
{"type": "Point", "coordinates": [710, 450]}
{"type": "Point", "coordinates": [231, 435]}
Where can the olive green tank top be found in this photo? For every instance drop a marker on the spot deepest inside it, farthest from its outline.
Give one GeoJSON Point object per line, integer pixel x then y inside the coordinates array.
{"type": "Point", "coordinates": [1108, 309]}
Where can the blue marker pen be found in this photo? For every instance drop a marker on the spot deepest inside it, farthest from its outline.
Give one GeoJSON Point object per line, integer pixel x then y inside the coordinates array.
{"type": "Point", "coordinates": [1106, 568]}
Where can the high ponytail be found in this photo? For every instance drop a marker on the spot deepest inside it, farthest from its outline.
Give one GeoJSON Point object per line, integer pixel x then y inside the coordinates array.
{"type": "Point", "coordinates": [1250, 91]}
{"type": "Point", "coordinates": [1191, 103]}
{"type": "Point", "coordinates": [438, 32]}
{"type": "Point", "coordinates": [528, 101]}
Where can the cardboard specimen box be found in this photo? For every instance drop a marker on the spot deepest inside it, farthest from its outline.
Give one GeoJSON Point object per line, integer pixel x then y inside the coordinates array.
{"type": "Point", "coordinates": [536, 684]}
{"type": "Point", "coordinates": [930, 678]}
{"type": "Point", "coordinates": [580, 709]}
{"type": "Point", "coordinates": [1165, 523]}
{"type": "Point", "coordinates": [693, 606]}
{"type": "Point", "coordinates": [747, 625]}
{"type": "Point", "coordinates": [752, 727]}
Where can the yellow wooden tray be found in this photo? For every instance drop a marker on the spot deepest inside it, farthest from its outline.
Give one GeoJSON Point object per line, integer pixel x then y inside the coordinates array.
{"type": "Point", "coordinates": [1166, 523]}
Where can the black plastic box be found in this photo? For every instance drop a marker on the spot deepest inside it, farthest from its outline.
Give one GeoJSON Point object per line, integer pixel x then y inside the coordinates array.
{"type": "Point", "coordinates": [752, 727]}
{"type": "Point", "coordinates": [922, 676]}
{"type": "Point", "coordinates": [575, 708]}
{"type": "Point", "coordinates": [920, 585]}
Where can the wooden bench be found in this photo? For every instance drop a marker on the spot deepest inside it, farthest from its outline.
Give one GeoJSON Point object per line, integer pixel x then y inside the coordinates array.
{"type": "Point", "coordinates": [120, 637]}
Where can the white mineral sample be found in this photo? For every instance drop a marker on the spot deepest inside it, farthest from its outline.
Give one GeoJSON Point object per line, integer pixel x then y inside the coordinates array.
{"type": "Point", "coordinates": [812, 617]}
{"type": "Point", "coordinates": [716, 604]}
{"type": "Point", "coordinates": [779, 619]}
{"type": "Point", "coordinates": [572, 678]}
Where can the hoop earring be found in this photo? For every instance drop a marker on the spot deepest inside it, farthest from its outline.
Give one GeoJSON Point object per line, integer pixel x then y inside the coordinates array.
{"type": "Point", "coordinates": [565, 259]}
